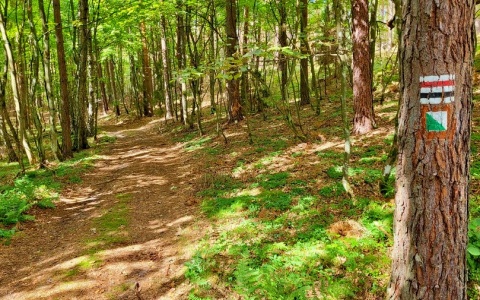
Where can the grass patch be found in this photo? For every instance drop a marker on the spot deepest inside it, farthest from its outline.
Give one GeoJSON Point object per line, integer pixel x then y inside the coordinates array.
{"type": "Point", "coordinates": [106, 139]}
{"type": "Point", "coordinates": [108, 228]}
{"type": "Point", "coordinates": [197, 143]}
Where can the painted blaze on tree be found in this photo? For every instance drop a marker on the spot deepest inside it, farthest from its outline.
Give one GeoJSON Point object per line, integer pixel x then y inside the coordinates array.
{"type": "Point", "coordinates": [431, 213]}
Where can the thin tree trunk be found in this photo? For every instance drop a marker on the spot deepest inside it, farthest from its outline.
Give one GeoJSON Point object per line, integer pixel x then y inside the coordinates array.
{"type": "Point", "coordinates": [4, 119]}
{"type": "Point", "coordinates": [235, 113]}
{"type": "Point", "coordinates": [147, 74]}
{"type": "Point", "coordinates": [211, 58]}
{"type": "Point", "coordinates": [282, 41]}
{"type": "Point", "coordinates": [82, 94]}
{"type": "Point", "coordinates": [245, 85]}
{"type": "Point", "coordinates": [62, 69]}
{"type": "Point", "coordinates": [304, 84]}
{"type": "Point", "coordinates": [166, 70]}
{"type": "Point", "coordinates": [181, 62]}
{"type": "Point", "coordinates": [35, 68]}
{"type": "Point", "coordinates": [339, 17]}
{"type": "Point", "coordinates": [16, 96]}
{"type": "Point", "coordinates": [134, 81]}
{"type": "Point", "coordinates": [113, 86]}
{"type": "Point", "coordinates": [47, 79]}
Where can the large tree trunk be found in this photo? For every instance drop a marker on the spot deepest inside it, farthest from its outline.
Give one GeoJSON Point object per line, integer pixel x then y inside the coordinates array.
{"type": "Point", "coordinates": [363, 120]}
{"type": "Point", "coordinates": [62, 70]}
{"type": "Point", "coordinates": [431, 215]}
{"type": "Point", "coordinates": [233, 88]}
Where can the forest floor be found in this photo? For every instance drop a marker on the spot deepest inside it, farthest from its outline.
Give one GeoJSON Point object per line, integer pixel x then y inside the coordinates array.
{"type": "Point", "coordinates": [123, 232]}
{"type": "Point", "coordinates": [164, 213]}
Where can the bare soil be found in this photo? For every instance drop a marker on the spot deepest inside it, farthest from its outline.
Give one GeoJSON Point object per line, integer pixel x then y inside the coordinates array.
{"type": "Point", "coordinates": [55, 257]}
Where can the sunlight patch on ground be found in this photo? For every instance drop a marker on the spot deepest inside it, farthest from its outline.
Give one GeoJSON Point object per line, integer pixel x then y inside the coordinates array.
{"type": "Point", "coordinates": [180, 221]}
{"type": "Point", "coordinates": [79, 199]}
{"type": "Point", "coordinates": [50, 291]}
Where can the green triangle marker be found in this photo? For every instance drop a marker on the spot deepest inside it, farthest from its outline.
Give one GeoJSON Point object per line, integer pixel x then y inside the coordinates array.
{"type": "Point", "coordinates": [436, 121]}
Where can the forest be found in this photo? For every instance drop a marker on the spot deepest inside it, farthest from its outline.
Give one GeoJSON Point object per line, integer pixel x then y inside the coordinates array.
{"type": "Point", "coordinates": [239, 149]}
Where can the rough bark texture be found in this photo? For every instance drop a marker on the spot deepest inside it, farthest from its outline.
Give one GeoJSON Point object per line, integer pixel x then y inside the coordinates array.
{"type": "Point", "coordinates": [62, 70]}
{"type": "Point", "coordinates": [433, 171]}
{"type": "Point", "coordinates": [233, 87]}
{"type": "Point", "coordinates": [363, 120]}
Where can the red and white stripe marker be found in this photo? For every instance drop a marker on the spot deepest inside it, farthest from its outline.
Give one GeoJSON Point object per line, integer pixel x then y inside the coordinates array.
{"type": "Point", "coordinates": [437, 89]}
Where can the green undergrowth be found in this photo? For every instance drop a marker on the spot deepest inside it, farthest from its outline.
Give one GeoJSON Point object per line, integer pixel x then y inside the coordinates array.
{"type": "Point", "coordinates": [277, 235]}
{"type": "Point", "coordinates": [37, 188]}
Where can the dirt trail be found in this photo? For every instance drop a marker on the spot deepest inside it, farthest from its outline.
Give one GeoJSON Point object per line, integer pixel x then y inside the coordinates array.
{"type": "Point", "coordinates": [143, 178]}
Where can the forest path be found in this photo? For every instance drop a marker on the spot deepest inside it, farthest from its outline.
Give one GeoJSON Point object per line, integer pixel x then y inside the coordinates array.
{"type": "Point", "coordinates": [124, 232]}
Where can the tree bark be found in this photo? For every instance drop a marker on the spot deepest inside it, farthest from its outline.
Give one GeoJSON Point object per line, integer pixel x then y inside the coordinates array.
{"type": "Point", "coordinates": [233, 88]}
{"type": "Point", "coordinates": [431, 215]}
{"type": "Point", "coordinates": [113, 85]}
{"type": "Point", "coordinates": [19, 108]}
{"type": "Point", "coordinates": [364, 119]}
{"type": "Point", "coordinates": [166, 70]}
{"type": "Point", "coordinates": [32, 93]}
{"type": "Point", "coordinates": [47, 79]}
{"type": "Point", "coordinates": [181, 61]}
{"type": "Point", "coordinates": [304, 85]}
{"type": "Point", "coordinates": [82, 94]}
{"type": "Point", "coordinates": [62, 69]}
{"type": "Point", "coordinates": [147, 75]}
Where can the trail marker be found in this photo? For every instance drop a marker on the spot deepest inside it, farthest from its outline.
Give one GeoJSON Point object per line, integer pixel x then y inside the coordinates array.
{"type": "Point", "coordinates": [437, 95]}
{"type": "Point", "coordinates": [436, 120]}
{"type": "Point", "coordinates": [437, 89]}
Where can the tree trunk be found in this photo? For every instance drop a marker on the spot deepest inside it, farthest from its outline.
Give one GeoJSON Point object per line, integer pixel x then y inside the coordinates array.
{"type": "Point", "coordinates": [245, 81]}
{"type": "Point", "coordinates": [19, 109]}
{"type": "Point", "coordinates": [113, 85]}
{"type": "Point", "coordinates": [181, 61]}
{"type": "Point", "coordinates": [166, 70]}
{"type": "Point", "coordinates": [101, 81]}
{"type": "Point", "coordinates": [4, 119]}
{"type": "Point", "coordinates": [47, 78]}
{"type": "Point", "coordinates": [431, 215]}
{"type": "Point", "coordinates": [233, 88]}
{"type": "Point", "coordinates": [82, 94]}
{"type": "Point", "coordinates": [211, 58]}
{"type": "Point", "coordinates": [32, 93]}
{"type": "Point", "coordinates": [282, 41]}
{"type": "Point", "coordinates": [304, 85]}
{"type": "Point", "coordinates": [62, 69]}
{"type": "Point", "coordinates": [147, 75]}
{"type": "Point", "coordinates": [363, 120]}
